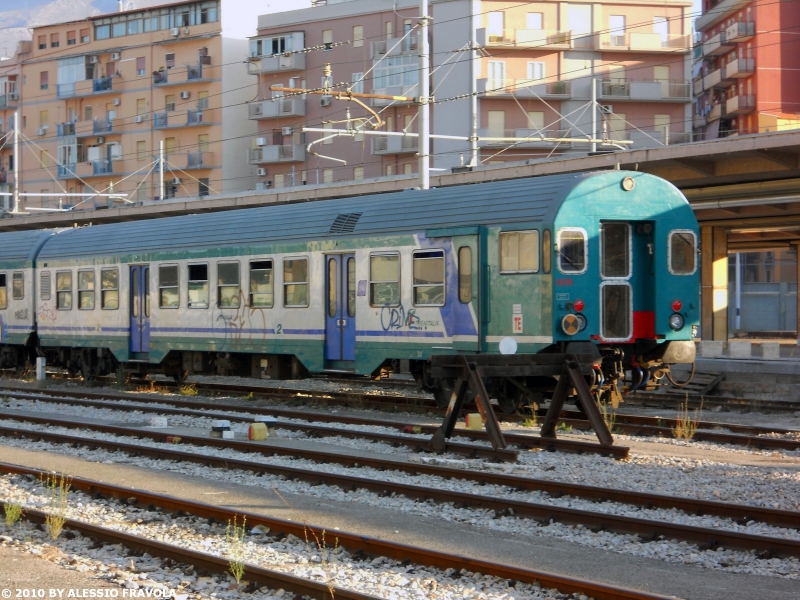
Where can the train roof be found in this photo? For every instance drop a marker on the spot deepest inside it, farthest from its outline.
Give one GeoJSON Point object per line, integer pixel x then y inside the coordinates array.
{"type": "Point", "coordinates": [530, 200]}
{"type": "Point", "coordinates": [22, 246]}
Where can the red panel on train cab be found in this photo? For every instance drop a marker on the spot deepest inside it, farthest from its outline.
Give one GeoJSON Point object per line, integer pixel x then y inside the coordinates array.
{"type": "Point", "coordinates": [644, 325]}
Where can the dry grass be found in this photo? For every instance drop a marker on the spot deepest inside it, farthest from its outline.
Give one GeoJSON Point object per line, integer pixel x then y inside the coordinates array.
{"type": "Point", "coordinates": [686, 422]}
{"type": "Point", "coordinates": [13, 513]}
{"type": "Point", "coordinates": [57, 491]}
{"type": "Point", "coordinates": [190, 389]}
{"type": "Point", "coordinates": [531, 419]}
{"type": "Point", "coordinates": [609, 417]}
{"type": "Point", "coordinates": [237, 552]}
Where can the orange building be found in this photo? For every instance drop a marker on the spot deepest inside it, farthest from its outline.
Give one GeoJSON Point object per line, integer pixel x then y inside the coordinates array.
{"type": "Point", "coordinates": [746, 70]}
{"type": "Point", "coordinates": [101, 95]}
{"type": "Point", "coordinates": [10, 77]}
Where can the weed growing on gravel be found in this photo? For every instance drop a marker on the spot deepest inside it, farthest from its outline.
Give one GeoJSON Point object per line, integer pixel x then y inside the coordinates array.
{"type": "Point", "coordinates": [235, 535]}
{"type": "Point", "coordinates": [530, 419]}
{"type": "Point", "coordinates": [609, 417]}
{"type": "Point", "coordinates": [686, 423]}
{"type": "Point", "coordinates": [13, 513]}
{"type": "Point", "coordinates": [57, 490]}
{"type": "Point", "coordinates": [564, 427]}
{"type": "Point", "coordinates": [189, 389]}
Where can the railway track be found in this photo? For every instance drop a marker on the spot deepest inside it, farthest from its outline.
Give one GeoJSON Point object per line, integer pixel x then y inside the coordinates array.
{"type": "Point", "coordinates": [646, 529]}
{"type": "Point", "coordinates": [354, 543]}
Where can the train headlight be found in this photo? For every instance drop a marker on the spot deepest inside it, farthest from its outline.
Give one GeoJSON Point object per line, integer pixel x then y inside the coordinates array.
{"type": "Point", "coordinates": [581, 322]}
{"type": "Point", "coordinates": [571, 324]}
{"type": "Point", "coordinates": [676, 322]}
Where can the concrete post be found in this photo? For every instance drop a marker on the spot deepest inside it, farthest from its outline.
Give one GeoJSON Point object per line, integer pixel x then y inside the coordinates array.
{"type": "Point", "coordinates": [41, 363]}
{"type": "Point", "coordinates": [714, 283]}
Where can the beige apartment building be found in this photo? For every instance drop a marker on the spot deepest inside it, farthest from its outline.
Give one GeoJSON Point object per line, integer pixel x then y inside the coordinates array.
{"type": "Point", "coordinates": [102, 94]}
{"type": "Point", "coordinates": [10, 76]}
{"type": "Point", "coordinates": [531, 78]}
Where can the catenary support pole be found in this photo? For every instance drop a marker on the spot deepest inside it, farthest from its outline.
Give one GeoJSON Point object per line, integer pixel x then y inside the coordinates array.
{"type": "Point", "coordinates": [594, 114]}
{"type": "Point", "coordinates": [15, 208]}
{"type": "Point", "coordinates": [424, 98]}
{"type": "Point", "coordinates": [161, 169]}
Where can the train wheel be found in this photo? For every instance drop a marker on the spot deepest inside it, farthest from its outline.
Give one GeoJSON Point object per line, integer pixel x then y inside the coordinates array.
{"type": "Point", "coordinates": [508, 404]}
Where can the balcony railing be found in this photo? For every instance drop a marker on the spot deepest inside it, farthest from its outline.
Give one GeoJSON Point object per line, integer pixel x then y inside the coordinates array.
{"type": "Point", "coordinates": [409, 91]}
{"type": "Point", "coordinates": [644, 42]}
{"type": "Point", "coordinates": [658, 138]}
{"type": "Point", "coordinates": [103, 126]}
{"type": "Point", "coordinates": [740, 32]}
{"type": "Point", "coordinates": [65, 129]}
{"type": "Point", "coordinates": [615, 88]}
{"type": "Point", "coordinates": [717, 79]}
{"type": "Point", "coordinates": [160, 77]}
{"type": "Point", "coordinates": [277, 63]}
{"type": "Point", "coordinates": [277, 154]}
{"type": "Point", "coordinates": [394, 46]}
{"type": "Point", "coordinates": [101, 167]}
{"type": "Point", "coordinates": [740, 105]}
{"type": "Point", "coordinates": [716, 45]}
{"type": "Point", "coordinates": [277, 107]}
{"type": "Point", "coordinates": [66, 171]}
{"type": "Point", "coordinates": [715, 112]}
{"type": "Point", "coordinates": [525, 88]}
{"type": "Point", "coordinates": [653, 91]}
{"type": "Point", "coordinates": [159, 120]}
{"type": "Point", "coordinates": [65, 90]}
{"type": "Point", "coordinates": [524, 138]}
{"type": "Point", "coordinates": [102, 85]}
{"type": "Point", "coordinates": [9, 94]}
{"type": "Point", "coordinates": [740, 67]}
{"type": "Point", "coordinates": [699, 121]}
{"type": "Point", "coordinates": [542, 38]}
{"type": "Point", "coordinates": [193, 117]}
{"type": "Point", "coordinates": [198, 160]}
{"type": "Point", "coordinates": [194, 72]}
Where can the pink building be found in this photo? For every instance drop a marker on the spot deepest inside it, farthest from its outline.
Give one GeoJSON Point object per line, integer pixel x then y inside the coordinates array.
{"type": "Point", "coordinates": [531, 78]}
{"type": "Point", "coordinates": [10, 88]}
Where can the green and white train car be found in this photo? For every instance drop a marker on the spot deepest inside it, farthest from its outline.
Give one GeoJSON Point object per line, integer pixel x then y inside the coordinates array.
{"type": "Point", "coordinates": [359, 284]}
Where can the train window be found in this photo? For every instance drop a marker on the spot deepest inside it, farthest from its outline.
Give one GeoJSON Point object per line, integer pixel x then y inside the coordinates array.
{"type": "Point", "coordinates": [351, 287]}
{"type": "Point", "coordinates": [333, 286]}
{"type": "Point", "coordinates": [682, 252]}
{"type": "Point", "coordinates": [44, 285]}
{"type": "Point", "coordinates": [3, 292]}
{"type": "Point", "coordinates": [64, 290]}
{"type": "Point", "coordinates": [571, 250]}
{"type": "Point", "coordinates": [228, 292]}
{"type": "Point", "coordinates": [615, 249]}
{"type": "Point", "coordinates": [261, 287]}
{"type": "Point", "coordinates": [429, 278]}
{"type": "Point", "coordinates": [18, 286]}
{"type": "Point", "coordinates": [109, 288]}
{"type": "Point", "coordinates": [547, 252]}
{"type": "Point", "coordinates": [519, 252]}
{"type": "Point", "coordinates": [295, 282]}
{"type": "Point", "coordinates": [384, 279]}
{"type": "Point", "coordinates": [86, 290]}
{"type": "Point", "coordinates": [465, 274]}
{"type": "Point", "coordinates": [617, 311]}
{"type": "Point", "coordinates": [198, 286]}
{"type": "Point", "coordinates": [168, 291]}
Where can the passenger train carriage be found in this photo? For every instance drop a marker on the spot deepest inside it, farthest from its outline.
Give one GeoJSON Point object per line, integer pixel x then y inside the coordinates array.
{"type": "Point", "coordinates": [359, 284]}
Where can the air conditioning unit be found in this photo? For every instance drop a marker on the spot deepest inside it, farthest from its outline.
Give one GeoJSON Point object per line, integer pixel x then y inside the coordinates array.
{"type": "Point", "coordinates": [325, 100]}
{"type": "Point", "coordinates": [261, 141]}
{"type": "Point", "coordinates": [262, 172]}
{"type": "Point", "coordinates": [286, 131]}
{"type": "Point", "coordinates": [185, 95]}
{"type": "Point", "coordinates": [140, 118]}
{"type": "Point", "coordinates": [175, 32]}
{"type": "Point", "coordinates": [40, 131]}
{"type": "Point", "coordinates": [176, 181]}
{"type": "Point", "coordinates": [115, 56]}
{"type": "Point", "coordinates": [94, 60]}
{"type": "Point", "coordinates": [606, 108]}
{"type": "Point", "coordinates": [115, 102]}
{"type": "Point", "coordinates": [13, 96]}
{"type": "Point", "coordinates": [101, 140]}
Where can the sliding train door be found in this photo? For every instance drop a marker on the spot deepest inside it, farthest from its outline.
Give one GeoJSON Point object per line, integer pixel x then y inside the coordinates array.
{"type": "Point", "coordinates": [140, 308]}
{"type": "Point", "coordinates": [340, 307]}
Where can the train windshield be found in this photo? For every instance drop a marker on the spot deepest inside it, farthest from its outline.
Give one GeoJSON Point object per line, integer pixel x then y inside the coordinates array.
{"type": "Point", "coordinates": [572, 251]}
{"type": "Point", "coordinates": [682, 252]}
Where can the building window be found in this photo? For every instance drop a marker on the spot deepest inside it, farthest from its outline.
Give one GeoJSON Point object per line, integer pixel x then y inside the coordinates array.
{"type": "Point", "coordinates": [261, 285]}
{"type": "Point", "coordinates": [496, 71]}
{"type": "Point", "coordinates": [118, 30]}
{"type": "Point", "coordinates": [202, 142]}
{"type": "Point", "coordinates": [278, 181]}
{"type": "Point", "coordinates": [295, 282]}
{"type": "Point", "coordinates": [384, 279]}
{"type": "Point", "coordinates": [202, 100]}
{"type": "Point", "coordinates": [140, 66]}
{"type": "Point", "coordinates": [170, 145]}
{"type": "Point", "coordinates": [170, 60]}
{"type": "Point", "coordinates": [42, 42]}
{"type": "Point", "coordinates": [358, 36]}
{"type": "Point", "coordinates": [64, 290]}
{"type": "Point", "coordinates": [109, 288]}
{"type": "Point", "coordinates": [71, 39]}
{"type": "Point", "coordinates": [408, 168]}
{"type": "Point", "coordinates": [202, 186]}
{"type": "Point", "coordinates": [358, 173]}
{"type": "Point", "coordinates": [43, 77]}
{"type": "Point", "coordinates": [428, 278]}
{"type": "Point", "coordinates": [84, 36]}
{"type": "Point", "coordinates": [536, 120]}
{"type": "Point", "coordinates": [198, 286]}
{"type": "Point", "coordinates": [86, 290]}
{"type": "Point", "coordinates": [496, 123]}
{"type": "Point", "coordinates": [18, 285]}
{"type": "Point", "coordinates": [87, 112]}
{"type": "Point", "coordinates": [169, 103]}
{"type": "Point", "coordinates": [495, 27]}
{"type": "Point", "coordinates": [228, 292]}
{"type": "Point", "coordinates": [358, 83]}
{"type": "Point", "coordinates": [389, 170]}
{"type": "Point", "coordinates": [141, 150]}
{"type": "Point", "coordinates": [44, 119]}
{"type": "Point", "coordinates": [389, 29]}
{"type": "Point", "coordinates": [327, 175]}
{"type": "Point", "coordinates": [54, 40]}
{"type": "Point", "coordinates": [535, 71]}
{"type": "Point", "coordinates": [327, 38]}
{"type": "Point", "coordinates": [535, 21]}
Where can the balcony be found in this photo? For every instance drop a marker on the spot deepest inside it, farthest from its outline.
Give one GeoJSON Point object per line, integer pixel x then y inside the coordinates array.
{"type": "Point", "coordinates": [715, 112]}
{"type": "Point", "coordinates": [394, 144]}
{"type": "Point", "coordinates": [546, 39]}
{"type": "Point", "coordinates": [87, 87]}
{"type": "Point", "coordinates": [408, 91]}
{"type": "Point", "coordinates": [739, 68]}
{"type": "Point", "coordinates": [699, 121]}
{"type": "Point", "coordinates": [64, 129]}
{"type": "Point", "coordinates": [176, 119]}
{"type": "Point", "coordinates": [722, 10]}
{"type": "Point", "coordinates": [740, 105]}
{"type": "Point", "coordinates": [277, 154]}
{"type": "Point", "coordinates": [523, 138]}
{"type": "Point", "coordinates": [740, 32]}
{"type": "Point", "coordinates": [192, 160]}
{"type": "Point", "coordinates": [102, 126]}
{"type": "Point", "coordinates": [697, 85]}
{"type": "Point", "coordinates": [556, 90]}
{"type": "Point", "coordinates": [658, 138]}
{"type": "Point", "coordinates": [717, 45]}
{"type": "Point", "coordinates": [277, 108]}
{"type": "Point", "coordinates": [66, 171]}
{"type": "Point", "coordinates": [160, 77]}
{"type": "Point", "coordinates": [3, 177]}
{"type": "Point", "coordinates": [394, 46]}
{"type": "Point", "coordinates": [644, 91]}
{"type": "Point", "coordinates": [276, 64]}
{"type": "Point", "coordinates": [644, 42]}
{"type": "Point", "coordinates": [717, 79]}
{"type": "Point", "coordinates": [9, 97]}
{"type": "Point", "coordinates": [93, 168]}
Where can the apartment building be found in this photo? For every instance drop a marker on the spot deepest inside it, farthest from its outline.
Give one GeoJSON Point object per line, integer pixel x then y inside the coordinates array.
{"type": "Point", "coordinates": [10, 76]}
{"type": "Point", "coordinates": [746, 68]}
{"type": "Point", "coordinates": [102, 94]}
{"type": "Point", "coordinates": [531, 78]}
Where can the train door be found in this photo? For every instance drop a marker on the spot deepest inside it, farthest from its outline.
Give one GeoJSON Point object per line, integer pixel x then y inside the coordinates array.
{"type": "Point", "coordinates": [140, 308]}
{"type": "Point", "coordinates": [340, 307]}
{"type": "Point", "coordinates": [466, 294]}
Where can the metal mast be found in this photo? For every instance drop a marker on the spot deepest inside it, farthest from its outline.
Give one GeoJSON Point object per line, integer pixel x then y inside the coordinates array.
{"type": "Point", "coordinates": [424, 98]}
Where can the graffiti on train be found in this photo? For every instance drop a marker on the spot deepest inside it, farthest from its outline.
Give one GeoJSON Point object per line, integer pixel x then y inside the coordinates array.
{"type": "Point", "coordinates": [394, 318]}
